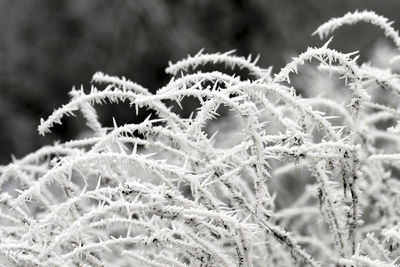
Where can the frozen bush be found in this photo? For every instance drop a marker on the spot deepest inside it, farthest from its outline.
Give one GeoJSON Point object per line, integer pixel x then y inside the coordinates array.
{"type": "Point", "coordinates": [287, 181]}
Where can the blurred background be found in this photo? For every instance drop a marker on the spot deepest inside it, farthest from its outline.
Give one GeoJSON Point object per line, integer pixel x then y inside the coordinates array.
{"type": "Point", "coordinates": [47, 47]}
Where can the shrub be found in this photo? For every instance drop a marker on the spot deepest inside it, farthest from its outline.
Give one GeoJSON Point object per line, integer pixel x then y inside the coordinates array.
{"type": "Point", "coordinates": [287, 180]}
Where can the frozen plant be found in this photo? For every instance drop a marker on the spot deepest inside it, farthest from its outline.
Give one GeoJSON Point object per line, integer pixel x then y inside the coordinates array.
{"type": "Point", "coordinates": [287, 181]}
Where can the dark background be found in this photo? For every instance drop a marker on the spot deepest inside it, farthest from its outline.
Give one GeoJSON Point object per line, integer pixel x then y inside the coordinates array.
{"type": "Point", "coordinates": [48, 46]}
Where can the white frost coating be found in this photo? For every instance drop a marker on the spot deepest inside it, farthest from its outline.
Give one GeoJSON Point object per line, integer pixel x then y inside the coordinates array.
{"type": "Point", "coordinates": [355, 17]}
{"type": "Point", "coordinates": [302, 182]}
{"type": "Point", "coordinates": [226, 58]}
